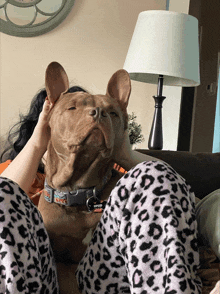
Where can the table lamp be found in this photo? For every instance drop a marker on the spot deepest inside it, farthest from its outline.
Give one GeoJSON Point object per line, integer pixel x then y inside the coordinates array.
{"type": "Point", "coordinates": [164, 50]}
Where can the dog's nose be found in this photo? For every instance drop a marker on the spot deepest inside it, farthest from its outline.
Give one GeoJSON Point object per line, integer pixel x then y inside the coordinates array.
{"type": "Point", "coordinates": [97, 113]}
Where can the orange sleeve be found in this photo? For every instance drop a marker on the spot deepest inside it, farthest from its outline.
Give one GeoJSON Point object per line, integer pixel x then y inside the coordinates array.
{"type": "Point", "coordinates": [4, 165]}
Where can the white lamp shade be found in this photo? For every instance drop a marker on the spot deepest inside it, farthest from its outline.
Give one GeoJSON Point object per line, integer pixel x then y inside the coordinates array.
{"type": "Point", "coordinates": [164, 43]}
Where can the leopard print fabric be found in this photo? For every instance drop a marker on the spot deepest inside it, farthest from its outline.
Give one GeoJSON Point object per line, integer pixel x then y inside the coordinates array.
{"type": "Point", "coordinates": [26, 258]}
{"type": "Point", "coordinates": [146, 241]}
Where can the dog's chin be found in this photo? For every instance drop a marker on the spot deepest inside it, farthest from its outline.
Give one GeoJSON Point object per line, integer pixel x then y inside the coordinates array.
{"type": "Point", "coordinates": [95, 142]}
{"type": "Point", "coordinates": [95, 139]}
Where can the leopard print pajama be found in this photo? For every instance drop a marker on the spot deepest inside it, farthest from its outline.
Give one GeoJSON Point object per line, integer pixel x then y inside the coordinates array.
{"type": "Point", "coordinates": [146, 241]}
{"type": "Point", "coordinates": [26, 259]}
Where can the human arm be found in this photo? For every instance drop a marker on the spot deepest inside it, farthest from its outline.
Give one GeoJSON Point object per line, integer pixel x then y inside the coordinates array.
{"type": "Point", "coordinates": [127, 158]}
{"type": "Point", "coordinates": [23, 168]}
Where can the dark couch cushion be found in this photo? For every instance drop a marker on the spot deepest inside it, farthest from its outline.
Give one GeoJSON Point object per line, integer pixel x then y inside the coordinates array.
{"type": "Point", "coordinates": [201, 170]}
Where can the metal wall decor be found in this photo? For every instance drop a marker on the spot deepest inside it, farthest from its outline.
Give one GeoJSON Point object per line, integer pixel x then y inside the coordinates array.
{"type": "Point", "coordinates": [29, 18]}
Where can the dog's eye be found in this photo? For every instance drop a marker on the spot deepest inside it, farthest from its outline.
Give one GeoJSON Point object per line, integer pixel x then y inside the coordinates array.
{"type": "Point", "coordinates": [72, 108]}
{"type": "Point", "coordinates": [114, 113]}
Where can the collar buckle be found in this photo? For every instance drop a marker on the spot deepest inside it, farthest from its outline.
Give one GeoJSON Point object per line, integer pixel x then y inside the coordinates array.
{"type": "Point", "coordinates": [79, 196]}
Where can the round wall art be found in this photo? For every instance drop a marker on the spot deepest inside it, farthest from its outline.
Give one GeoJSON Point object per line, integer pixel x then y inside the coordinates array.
{"type": "Point", "coordinates": [29, 18]}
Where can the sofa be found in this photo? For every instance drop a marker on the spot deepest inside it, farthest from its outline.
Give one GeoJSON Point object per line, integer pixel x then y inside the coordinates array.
{"type": "Point", "coordinates": [202, 172]}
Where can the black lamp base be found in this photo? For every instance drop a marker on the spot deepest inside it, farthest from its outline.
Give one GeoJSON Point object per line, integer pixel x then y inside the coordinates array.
{"type": "Point", "coordinates": [155, 141]}
{"type": "Point", "coordinates": [156, 135]}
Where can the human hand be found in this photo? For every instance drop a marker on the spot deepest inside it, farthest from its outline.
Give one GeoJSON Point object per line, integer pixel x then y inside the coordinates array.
{"type": "Point", "coordinates": [128, 158]}
{"type": "Point", "coordinates": [41, 134]}
{"type": "Point", "coordinates": [123, 154]}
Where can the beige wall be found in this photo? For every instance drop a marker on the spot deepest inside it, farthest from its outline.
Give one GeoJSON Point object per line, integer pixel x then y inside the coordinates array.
{"type": "Point", "coordinates": [181, 6]}
{"type": "Point", "coordinates": [91, 44]}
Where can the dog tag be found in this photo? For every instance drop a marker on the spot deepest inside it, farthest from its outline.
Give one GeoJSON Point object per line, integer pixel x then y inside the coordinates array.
{"type": "Point", "coordinates": [99, 207]}
{"type": "Point", "coordinates": [95, 205]}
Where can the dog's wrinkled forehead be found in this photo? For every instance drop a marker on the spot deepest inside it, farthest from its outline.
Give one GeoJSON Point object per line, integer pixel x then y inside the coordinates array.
{"type": "Point", "coordinates": [86, 99]}
{"type": "Point", "coordinates": [72, 98]}
{"type": "Point", "coordinates": [83, 100]}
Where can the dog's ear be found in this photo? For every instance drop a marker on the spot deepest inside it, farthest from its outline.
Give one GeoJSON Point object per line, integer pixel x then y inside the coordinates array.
{"type": "Point", "coordinates": [119, 87]}
{"type": "Point", "coordinates": [56, 81]}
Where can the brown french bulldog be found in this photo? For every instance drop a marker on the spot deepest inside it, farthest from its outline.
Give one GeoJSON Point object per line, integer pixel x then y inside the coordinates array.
{"type": "Point", "coordinates": [86, 131]}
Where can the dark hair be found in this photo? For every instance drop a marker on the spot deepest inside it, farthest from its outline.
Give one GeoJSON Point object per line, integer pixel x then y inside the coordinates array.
{"type": "Point", "coordinates": [21, 132]}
